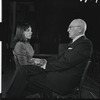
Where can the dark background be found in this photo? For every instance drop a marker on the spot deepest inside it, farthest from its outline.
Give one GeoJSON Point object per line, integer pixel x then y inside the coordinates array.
{"type": "Point", "coordinates": [49, 20]}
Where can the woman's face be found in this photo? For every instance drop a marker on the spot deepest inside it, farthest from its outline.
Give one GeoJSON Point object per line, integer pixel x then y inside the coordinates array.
{"type": "Point", "coordinates": [28, 33]}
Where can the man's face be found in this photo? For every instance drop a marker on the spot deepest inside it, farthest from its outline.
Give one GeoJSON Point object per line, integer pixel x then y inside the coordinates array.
{"type": "Point", "coordinates": [74, 29]}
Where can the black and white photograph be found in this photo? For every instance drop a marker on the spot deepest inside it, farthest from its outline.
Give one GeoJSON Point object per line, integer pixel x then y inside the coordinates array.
{"type": "Point", "coordinates": [50, 49]}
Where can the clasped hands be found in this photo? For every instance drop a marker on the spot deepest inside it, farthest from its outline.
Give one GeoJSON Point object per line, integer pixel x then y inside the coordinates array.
{"type": "Point", "coordinates": [38, 62]}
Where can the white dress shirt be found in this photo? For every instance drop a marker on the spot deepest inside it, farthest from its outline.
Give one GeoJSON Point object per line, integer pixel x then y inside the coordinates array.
{"type": "Point", "coordinates": [77, 37]}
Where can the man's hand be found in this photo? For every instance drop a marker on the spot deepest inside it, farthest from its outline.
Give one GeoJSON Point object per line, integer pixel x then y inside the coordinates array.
{"type": "Point", "coordinates": [38, 62]}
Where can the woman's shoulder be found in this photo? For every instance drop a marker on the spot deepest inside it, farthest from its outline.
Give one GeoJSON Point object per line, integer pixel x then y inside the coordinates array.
{"type": "Point", "coordinates": [20, 44]}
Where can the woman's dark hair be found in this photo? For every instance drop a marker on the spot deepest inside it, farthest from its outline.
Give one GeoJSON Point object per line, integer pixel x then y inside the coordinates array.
{"type": "Point", "coordinates": [19, 36]}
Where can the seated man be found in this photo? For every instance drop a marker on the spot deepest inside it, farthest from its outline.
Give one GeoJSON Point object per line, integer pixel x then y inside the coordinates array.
{"type": "Point", "coordinates": [60, 75]}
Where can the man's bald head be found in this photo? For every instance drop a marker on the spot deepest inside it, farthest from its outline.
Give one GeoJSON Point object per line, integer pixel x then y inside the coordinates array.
{"type": "Point", "coordinates": [79, 22]}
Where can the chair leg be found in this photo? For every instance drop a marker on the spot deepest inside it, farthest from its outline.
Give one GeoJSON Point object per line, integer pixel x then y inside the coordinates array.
{"type": "Point", "coordinates": [80, 93]}
{"type": "Point", "coordinates": [46, 94]}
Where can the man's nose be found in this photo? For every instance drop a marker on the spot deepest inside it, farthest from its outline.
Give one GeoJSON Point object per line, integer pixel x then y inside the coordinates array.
{"type": "Point", "coordinates": [68, 30]}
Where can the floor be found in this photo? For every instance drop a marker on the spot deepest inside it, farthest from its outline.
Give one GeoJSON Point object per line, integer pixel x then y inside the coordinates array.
{"type": "Point", "coordinates": [90, 88]}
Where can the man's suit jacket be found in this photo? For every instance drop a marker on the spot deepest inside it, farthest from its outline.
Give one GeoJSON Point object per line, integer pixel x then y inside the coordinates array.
{"type": "Point", "coordinates": [65, 72]}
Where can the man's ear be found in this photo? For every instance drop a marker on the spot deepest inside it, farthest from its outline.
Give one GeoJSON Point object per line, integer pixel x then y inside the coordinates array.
{"type": "Point", "coordinates": [80, 29]}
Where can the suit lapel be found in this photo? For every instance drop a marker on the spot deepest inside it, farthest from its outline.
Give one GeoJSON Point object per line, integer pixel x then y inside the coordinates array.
{"type": "Point", "coordinates": [77, 41]}
{"type": "Point", "coordinates": [72, 45]}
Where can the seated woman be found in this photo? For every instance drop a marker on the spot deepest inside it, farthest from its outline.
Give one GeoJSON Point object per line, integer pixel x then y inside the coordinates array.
{"type": "Point", "coordinates": [23, 48]}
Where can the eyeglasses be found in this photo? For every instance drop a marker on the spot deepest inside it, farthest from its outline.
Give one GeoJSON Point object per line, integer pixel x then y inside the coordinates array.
{"type": "Point", "coordinates": [70, 27]}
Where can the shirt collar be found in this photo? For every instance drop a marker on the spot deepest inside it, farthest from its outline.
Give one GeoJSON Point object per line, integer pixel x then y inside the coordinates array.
{"type": "Point", "coordinates": [77, 37]}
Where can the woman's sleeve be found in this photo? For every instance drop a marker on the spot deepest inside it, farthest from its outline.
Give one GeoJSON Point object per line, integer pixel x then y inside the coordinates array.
{"type": "Point", "coordinates": [21, 54]}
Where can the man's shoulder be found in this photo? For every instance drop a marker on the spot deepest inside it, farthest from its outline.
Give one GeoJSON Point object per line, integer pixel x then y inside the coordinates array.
{"type": "Point", "coordinates": [88, 40]}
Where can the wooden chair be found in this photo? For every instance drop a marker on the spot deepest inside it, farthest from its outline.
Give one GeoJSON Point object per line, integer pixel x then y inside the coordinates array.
{"type": "Point", "coordinates": [17, 64]}
{"type": "Point", "coordinates": [83, 77]}
{"type": "Point", "coordinates": [16, 60]}
{"type": "Point", "coordinates": [77, 92]}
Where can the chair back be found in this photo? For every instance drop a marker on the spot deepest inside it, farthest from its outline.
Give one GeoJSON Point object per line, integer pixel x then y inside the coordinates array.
{"type": "Point", "coordinates": [83, 76]}
{"type": "Point", "coordinates": [16, 60]}
{"type": "Point", "coordinates": [85, 71]}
